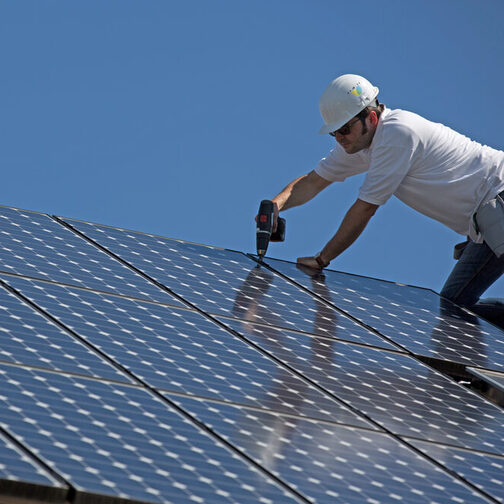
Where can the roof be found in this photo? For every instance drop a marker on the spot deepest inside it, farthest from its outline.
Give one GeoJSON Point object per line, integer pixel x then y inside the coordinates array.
{"type": "Point", "coordinates": [141, 369]}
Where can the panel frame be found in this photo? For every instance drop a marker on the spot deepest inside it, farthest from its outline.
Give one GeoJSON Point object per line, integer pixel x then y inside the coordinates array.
{"type": "Point", "coordinates": [30, 490]}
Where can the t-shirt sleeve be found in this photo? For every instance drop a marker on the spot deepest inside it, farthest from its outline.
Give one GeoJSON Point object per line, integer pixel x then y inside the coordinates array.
{"type": "Point", "coordinates": [338, 165]}
{"type": "Point", "coordinates": [388, 167]}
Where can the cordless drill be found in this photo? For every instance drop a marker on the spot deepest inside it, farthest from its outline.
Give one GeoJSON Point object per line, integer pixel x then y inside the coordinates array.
{"type": "Point", "coordinates": [264, 230]}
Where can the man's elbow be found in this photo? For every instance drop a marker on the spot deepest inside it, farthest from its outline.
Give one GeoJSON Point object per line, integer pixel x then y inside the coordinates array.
{"type": "Point", "coordinates": [366, 208]}
{"type": "Point", "coordinates": [317, 182]}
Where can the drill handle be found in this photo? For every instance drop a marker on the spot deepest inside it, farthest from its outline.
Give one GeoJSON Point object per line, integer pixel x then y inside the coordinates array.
{"type": "Point", "coordinates": [264, 226]}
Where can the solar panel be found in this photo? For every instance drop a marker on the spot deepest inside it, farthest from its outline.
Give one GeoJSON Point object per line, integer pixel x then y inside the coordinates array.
{"type": "Point", "coordinates": [330, 463]}
{"type": "Point", "coordinates": [22, 476]}
{"type": "Point", "coordinates": [227, 283]}
{"type": "Point", "coordinates": [412, 317]}
{"type": "Point", "coordinates": [395, 390]}
{"type": "Point", "coordinates": [118, 441]}
{"type": "Point", "coordinates": [32, 244]}
{"type": "Point", "coordinates": [28, 338]}
{"type": "Point", "coordinates": [182, 351]}
{"type": "Point", "coordinates": [250, 383]}
{"type": "Point", "coordinates": [481, 469]}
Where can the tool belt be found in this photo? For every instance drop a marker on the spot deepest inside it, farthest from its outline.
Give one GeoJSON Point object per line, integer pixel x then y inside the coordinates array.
{"type": "Point", "coordinates": [489, 221]}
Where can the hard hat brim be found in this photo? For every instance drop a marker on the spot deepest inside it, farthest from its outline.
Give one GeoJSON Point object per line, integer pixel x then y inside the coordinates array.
{"type": "Point", "coordinates": [329, 128]}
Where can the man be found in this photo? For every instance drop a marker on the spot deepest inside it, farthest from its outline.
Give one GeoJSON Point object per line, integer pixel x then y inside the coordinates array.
{"type": "Point", "coordinates": [428, 166]}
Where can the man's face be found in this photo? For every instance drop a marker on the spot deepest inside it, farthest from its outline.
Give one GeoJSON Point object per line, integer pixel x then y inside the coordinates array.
{"type": "Point", "coordinates": [356, 139]}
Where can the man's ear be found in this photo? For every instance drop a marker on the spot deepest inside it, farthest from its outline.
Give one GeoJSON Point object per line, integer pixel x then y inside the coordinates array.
{"type": "Point", "coordinates": [373, 118]}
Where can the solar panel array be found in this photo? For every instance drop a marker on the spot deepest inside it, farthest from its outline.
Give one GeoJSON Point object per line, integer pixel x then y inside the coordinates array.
{"type": "Point", "coordinates": [141, 369]}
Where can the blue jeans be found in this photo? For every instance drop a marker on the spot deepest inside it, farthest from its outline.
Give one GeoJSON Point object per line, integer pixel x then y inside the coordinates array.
{"type": "Point", "coordinates": [476, 270]}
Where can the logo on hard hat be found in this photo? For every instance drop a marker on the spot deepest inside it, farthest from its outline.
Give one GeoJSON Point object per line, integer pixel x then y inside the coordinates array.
{"type": "Point", "coordinates": [357, 90]}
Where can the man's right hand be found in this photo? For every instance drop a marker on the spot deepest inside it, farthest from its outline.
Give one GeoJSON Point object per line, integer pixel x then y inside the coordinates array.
{"type": "Point", "coordinates": [275, 216]}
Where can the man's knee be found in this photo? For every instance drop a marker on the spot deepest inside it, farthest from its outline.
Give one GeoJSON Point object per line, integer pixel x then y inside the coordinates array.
{"type": "Point", "coordinates": [453, 292]}
{"type": "Point", "coordinates": [476, 269]}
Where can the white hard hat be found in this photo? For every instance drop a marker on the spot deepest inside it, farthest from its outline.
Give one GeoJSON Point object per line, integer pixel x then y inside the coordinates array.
{"type": "Point", "coordinates": [343, 99]}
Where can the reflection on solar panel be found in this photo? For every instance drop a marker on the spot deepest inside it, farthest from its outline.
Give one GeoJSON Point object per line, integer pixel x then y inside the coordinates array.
{"type": "Point", "coordinates": [227, 283]}
{"type": "Point", "coordinates": [136, 369]}
{"type": "Point", "coordinates": [330, 463]}
{"type": "Point", "coordinates": [412, 317]}
{"type": "Point", "coordinates": [396, 391]}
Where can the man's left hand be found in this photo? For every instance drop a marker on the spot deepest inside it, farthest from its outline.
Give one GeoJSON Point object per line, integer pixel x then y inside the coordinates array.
{"type": "Point", "coordinates": [311, 262]}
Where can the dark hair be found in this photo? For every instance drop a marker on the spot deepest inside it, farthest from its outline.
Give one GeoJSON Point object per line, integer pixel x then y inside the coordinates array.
{"type": "Point", "coordinates": [376, 107]}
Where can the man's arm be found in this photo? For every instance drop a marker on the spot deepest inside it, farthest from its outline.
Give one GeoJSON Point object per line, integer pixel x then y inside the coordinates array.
{"type": "Point", "coordinates": [298, 192]}
{"type": "Point", "coordinates": [350, 229]}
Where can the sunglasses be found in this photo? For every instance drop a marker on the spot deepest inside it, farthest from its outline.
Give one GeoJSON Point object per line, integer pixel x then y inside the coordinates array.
{"type": "Point", "coordinates": [346, 128]}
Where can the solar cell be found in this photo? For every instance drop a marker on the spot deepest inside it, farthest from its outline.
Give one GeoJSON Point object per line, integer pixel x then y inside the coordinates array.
{"type": "Point", "coordinates": [22, 476]}
{"type": "Point", "coordinates": [331, 463]}
{"type": "Point", "coordinates": [395, 390]}
{"type": "Point", "coordinates": [28, 338]}
{"type": "Point", "coordinates": [120, 441]}
{"type": "Point", "coordinates": [182, 351]}
{"type": "Point", "coordinates": [415, 318]}
{"type": "Point", "coordinates": [33, 244]}
{"type": "Point", "coordinates": [481, 469]}
{"type": "Point", "coordinates": [227, 283]}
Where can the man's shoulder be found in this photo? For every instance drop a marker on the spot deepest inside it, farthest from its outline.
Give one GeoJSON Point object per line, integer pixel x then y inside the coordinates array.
{"type": "Point", "coordinates": [401, 127]}
{"type": "Point", "coordinates": [400, 117]}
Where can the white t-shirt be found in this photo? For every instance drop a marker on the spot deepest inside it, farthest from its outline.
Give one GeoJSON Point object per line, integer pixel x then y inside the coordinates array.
{"type": "Point", "coordinates": [427, 165]}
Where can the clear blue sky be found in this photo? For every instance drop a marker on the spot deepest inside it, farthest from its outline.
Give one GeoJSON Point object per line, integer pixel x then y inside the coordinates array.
{"type": "Point", "coordinates": [178, 117]}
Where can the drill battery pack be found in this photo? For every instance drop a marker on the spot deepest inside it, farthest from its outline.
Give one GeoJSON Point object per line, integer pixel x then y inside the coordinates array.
{"type": "Point", "coordinates": [279, 234]}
